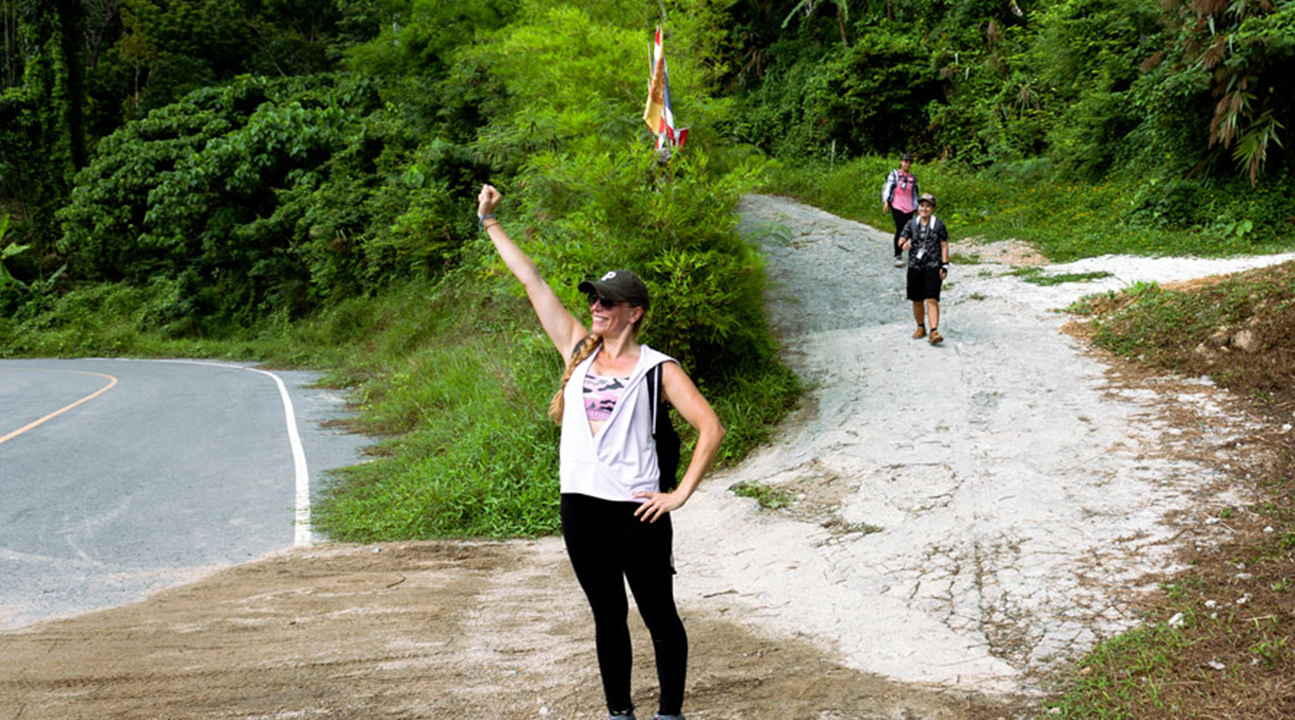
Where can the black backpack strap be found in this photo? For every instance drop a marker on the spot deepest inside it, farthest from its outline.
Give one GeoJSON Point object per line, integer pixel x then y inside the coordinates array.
{"type": "Point", "coordinates": [663, 432]}
{"type": "Point", "coordinates": [654, 394]}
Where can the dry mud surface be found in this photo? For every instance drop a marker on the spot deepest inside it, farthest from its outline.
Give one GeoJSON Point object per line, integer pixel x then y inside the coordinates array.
{"type": "Point", "coordinates": [966, 517]}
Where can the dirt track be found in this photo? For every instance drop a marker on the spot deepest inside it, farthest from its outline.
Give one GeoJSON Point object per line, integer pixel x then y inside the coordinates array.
{"type": "Point", "coordinates": [416, 630]}
{"type": "Point", "coordinates": [499, 630]}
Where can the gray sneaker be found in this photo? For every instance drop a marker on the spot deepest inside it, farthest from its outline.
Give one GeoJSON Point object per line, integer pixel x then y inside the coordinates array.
{"type": "Point", "coordinates": [669, 717]}
{"type": "Point", "coordinates": [622, 716]}
{"type": "Point", "coordinates": [899, 261]}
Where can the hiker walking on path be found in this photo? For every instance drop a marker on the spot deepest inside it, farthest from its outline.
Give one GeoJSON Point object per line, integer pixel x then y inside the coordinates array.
{"type": "Point", "coordinates": [615, 504]}
{"type": "Point", "coordinates": [927, 242]}
{"type": "Point", "coordinates": [899, 198]}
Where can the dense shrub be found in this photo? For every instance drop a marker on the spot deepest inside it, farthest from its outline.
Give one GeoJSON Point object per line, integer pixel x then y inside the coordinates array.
{"type": "Point", "coordinates": [212, 191]}
{"type": "Point", "coordinates": [676, 228]}
{"type": "Point", "coordinates": [816, 101]}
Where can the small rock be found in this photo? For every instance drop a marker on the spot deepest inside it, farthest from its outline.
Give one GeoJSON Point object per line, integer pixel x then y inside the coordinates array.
{"type": "Point", "coordinates": [1245, 576]}
{"type": "Point", "coordinates": [1268, 529]}
{"type": "Point", "coordinates": [1243, 599]}
{"type": "Point", "coordinates": [1177, 621]}
{"type": "Point", "coordinates": [1216, 665]}
{"type": "Point", "coordinates": [1212, 521]}
{"type": "Point", "coordinates": [1211, 604]}
{"type": "Point", "coordinates": [1246, 340]}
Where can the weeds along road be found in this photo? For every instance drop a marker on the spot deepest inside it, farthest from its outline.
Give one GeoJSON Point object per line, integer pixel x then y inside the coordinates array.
{"type": "Point", "coordinates": [120, 477]}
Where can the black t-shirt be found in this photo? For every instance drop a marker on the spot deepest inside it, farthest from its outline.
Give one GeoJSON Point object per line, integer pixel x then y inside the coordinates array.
{"type": "Point", "coordinates": [924, 253]}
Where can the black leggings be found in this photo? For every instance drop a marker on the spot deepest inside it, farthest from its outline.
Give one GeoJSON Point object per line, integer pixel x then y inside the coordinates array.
{"type": "Point", "coordinates": [901, 219]}
{"type": "Point", "coordinates": [608, 545]}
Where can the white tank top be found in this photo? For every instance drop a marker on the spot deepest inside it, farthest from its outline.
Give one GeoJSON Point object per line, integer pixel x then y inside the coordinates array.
{"type": "Point", "coordinates": [621, 459]}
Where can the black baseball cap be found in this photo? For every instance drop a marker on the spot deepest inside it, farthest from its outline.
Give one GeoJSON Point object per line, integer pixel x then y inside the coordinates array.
{"type": "Point", "coordinates": [906, 157]}
{"type": "Point", "coordinates": [618, 286]}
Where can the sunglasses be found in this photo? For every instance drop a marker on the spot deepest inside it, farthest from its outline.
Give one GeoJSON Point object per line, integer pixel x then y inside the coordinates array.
{"type": "Point", "coordinates": [599, 299]}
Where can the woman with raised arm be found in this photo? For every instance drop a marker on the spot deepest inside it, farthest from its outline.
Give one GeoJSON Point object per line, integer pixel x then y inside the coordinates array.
{"type": "Point", "coordinates": [615, 516]}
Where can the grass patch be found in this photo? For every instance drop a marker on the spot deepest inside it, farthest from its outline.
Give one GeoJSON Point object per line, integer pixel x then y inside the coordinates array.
{"type": "Point", "coordinates": [1236, 330]}
{"type": "Point", "coordinates": [1065, 220]}
{"type": "Point", "coordinates": [767, 496]}
{"type": "Point", "coordinates": [1125, 676]}
{"type": "Point", "coordinates": [1035, 276]}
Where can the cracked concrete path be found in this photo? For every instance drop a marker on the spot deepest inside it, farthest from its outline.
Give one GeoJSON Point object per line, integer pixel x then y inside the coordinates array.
{"type": "Point", "coordinates": [968, 514]}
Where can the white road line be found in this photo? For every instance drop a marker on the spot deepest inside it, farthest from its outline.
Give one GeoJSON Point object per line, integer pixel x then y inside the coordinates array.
{"type": "Point", "coordinates": [302, 533]}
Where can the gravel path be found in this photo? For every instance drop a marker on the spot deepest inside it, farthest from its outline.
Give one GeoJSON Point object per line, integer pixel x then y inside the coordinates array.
{"type": "Point", "coordinates": [966, 514]}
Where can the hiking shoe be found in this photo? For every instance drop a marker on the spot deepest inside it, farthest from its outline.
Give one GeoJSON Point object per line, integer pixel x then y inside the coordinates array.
{"type": "Point", "coordinates": [920, 332]}
{"type": "Point", "coordinates": [899, 261]}
{"type": "Point", "coordinates": [622, 716]}
{"type": "Point", "coordinates": [668, 717]}
{"type": "Point", "coordinates": [936, 337]}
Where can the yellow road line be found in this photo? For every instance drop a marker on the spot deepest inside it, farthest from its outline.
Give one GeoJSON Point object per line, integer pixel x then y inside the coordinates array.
{"type": "Point", "coordinates": [112, 381]}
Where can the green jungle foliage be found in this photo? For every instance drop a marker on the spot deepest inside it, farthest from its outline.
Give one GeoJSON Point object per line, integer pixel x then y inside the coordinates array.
{"type": "Point", "coordinates": [218, 192]}
{"type": "Point", "coordinates": [41, 132]}
{"type": "Point", "coordinates": [419, 100]}
{"type": "Point", "coordinates": [1100, 87]}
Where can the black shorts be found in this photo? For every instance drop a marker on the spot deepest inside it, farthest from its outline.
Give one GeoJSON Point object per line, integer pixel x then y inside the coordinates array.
{"type": "Point", "coordinates": [924, 284]}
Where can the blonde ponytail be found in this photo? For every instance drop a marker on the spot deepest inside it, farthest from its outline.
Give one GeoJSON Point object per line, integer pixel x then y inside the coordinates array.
{"type": "Point", "coordinates": [583, 351]}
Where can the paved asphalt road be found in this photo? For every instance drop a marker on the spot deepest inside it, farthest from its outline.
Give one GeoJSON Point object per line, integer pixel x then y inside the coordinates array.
{"type": "Point", "coordinates": [164, 471]}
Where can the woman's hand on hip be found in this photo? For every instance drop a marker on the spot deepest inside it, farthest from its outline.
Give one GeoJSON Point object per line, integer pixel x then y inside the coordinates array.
{"type": "Point", "coordinates": [658, 504]}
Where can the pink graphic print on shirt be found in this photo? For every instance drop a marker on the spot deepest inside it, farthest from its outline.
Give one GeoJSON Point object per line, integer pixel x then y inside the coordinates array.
{"type": "Point", "coordinates": [601, 394]}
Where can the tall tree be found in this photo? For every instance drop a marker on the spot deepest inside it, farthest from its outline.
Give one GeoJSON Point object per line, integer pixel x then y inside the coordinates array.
{"type": "Point", "coordinates": [41, 136]}
{"type": "Point", "coordinates": [11, 65]}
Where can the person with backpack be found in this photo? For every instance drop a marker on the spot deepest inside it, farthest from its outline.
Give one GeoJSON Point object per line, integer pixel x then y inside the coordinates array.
{"type": "Point", "coordinates": [927, 241]}
{"type": "Point", "coordinates": [617, 484]}
{"type": "Point", "coordinates": [899, 198]}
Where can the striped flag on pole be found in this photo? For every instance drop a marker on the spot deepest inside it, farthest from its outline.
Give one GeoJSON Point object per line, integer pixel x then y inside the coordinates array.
{"type": "Point", "coordinates": [657, 114]}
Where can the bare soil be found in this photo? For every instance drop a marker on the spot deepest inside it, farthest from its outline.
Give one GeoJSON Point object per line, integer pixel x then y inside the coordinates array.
{"type": "Point", "coordinates": [409, 630]}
